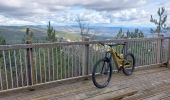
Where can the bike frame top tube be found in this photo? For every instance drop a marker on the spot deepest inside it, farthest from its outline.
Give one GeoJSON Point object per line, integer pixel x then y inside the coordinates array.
{"type": "Point", "coordinates": [119, 61]}
{"type": "Point", "coordinates": [116, 57]}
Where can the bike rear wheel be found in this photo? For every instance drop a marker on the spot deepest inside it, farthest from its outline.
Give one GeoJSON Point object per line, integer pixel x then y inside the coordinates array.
{"type": "Point", "coordinates": [102, 72]}
{"type": "Point", "coordinates": [129, 64]}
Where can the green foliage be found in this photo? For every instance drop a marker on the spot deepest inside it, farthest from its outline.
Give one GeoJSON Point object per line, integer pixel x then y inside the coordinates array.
{"type": "Point", "coordinates": [2, 41]}
{"type": "Point", "coordinates": [128, 34]}
{"type": "Point", "coordinates": [136, 34]}
{"type": "Point", "coordinates": [28, 35]}
{"type": "Point", "coordinates": [51, 33]}
{"type": "Point", "coordinates": [160, 22]}
{"type": "Point", "coordinates": [141, 34]}
{"type": "Point", "coordinates": [120, 34]}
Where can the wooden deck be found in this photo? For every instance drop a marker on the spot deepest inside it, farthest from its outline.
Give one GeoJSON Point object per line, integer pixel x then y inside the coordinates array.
{"type": "Point", "coordinates": [150, 84]}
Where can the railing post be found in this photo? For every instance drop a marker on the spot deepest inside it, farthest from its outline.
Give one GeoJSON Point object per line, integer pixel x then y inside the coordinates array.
{"type": "Point", "coordinates": [85, 65]}
{"type": "Point", "coordinates": [168, 57]}
{"type": "Point", "coordinates": [30, 65]}
{"type": "Point", "coordinates": [159, 50]}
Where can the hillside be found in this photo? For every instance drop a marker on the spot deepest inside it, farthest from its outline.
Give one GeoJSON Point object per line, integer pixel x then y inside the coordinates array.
{"type": "Point", "coordinates": [15, 34]}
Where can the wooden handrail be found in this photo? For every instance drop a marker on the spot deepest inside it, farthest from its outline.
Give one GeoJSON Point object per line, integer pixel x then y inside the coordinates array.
{"type": "Point", "coordinates": [50, 45]}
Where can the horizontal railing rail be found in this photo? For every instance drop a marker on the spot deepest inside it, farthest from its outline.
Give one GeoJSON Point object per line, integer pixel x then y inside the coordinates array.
{"type": "Point", "coordinates": [47, 45]}
{"type": "Point", "coordinates": [25, 65]}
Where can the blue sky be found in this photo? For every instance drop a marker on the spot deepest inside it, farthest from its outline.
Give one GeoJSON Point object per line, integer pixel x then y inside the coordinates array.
{"type": "Point", "coordinates": [95, 12]}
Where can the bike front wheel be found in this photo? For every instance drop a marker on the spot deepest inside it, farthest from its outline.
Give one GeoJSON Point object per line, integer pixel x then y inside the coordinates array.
{"type": "Point", "coordinates": [129, 64]}
{"type": "Point", "coordinates": [102, 72]}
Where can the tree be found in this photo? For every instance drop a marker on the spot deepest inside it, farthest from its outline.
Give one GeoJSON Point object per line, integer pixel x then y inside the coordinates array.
{"type": "Point", "coordinates": [160, 22]}
{"type": "Point", "coordinates": [136, 34]}
{"type": "Point", "coordinates": [141, 34]}
{"type": "Point", "coordinates": [51, 33]}
{"type": "Point", "coordinates": [2, 41]}
{"type": "Point", "coordinates": [83, 26]}
{"type": "Point", "coordinates": [120, 34]}
{"type": "Point", "coordinates": [28, 35]}
{"type": "Point", "coordinates": [128, 34]}
{"type": "Point", "coordinates": [136, 31]}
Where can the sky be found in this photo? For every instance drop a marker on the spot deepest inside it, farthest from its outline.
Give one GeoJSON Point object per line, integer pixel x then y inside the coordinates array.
{"type": "Point", "coordinates": [95, 12]}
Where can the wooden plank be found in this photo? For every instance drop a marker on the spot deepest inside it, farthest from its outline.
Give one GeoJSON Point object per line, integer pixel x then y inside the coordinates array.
{"type": "Point", "coordinates": [150, 92]}
{"type": "Point", "coordinates": [114, 95]}
{"type": "Point", "coordinates": [78, 91]}
{"type": "Point", "coordinates": [93, 92]}
{"type": "Point", "coordinates": [86, 88]}
{"type": "Point", "coordinates": [168, 57]}
{"type": "Point", "coordinates": [160, 95]}
{"type": "Point", "coordinates": [116, 77]}
{"type": "Point", "coordinates": [168, 63]}
{"type": "Point", "coordinates": [166, 98]}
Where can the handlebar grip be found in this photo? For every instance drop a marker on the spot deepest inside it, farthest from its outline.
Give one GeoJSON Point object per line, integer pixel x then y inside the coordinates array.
{"type": "Point", "coordinates": [101, 43]}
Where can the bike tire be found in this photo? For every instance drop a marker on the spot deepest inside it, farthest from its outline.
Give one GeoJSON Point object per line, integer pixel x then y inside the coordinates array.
{"type": "Point", "coordinates": [95, 74]}
{"type": "Point", "coordinates": [129, 71]}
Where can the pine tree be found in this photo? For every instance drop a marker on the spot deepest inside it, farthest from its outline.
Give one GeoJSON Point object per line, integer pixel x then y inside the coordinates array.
{"type": "Point", "coordinates": [51, 34]}
{"type": "Point", "coordinates": [120, 34]}
{"type": "Point", "coordinates": [128, 34]}
{"type": "Point", "coordinates": [160, 22]}
{"type": "Point", "coordinates": [136, 34]}
{"type": "Point", "coordinates": [28, 35]}
{"type": "Point", "coordinates": [141, 34]}
{"type": "Point", "coordinates": [2, 41]}
{"type": "Point", "coordinates": [132, 35]}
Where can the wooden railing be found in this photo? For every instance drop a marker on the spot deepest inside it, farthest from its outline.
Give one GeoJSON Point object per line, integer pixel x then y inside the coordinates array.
{"type": "Point", "coordinates": [25, 65]}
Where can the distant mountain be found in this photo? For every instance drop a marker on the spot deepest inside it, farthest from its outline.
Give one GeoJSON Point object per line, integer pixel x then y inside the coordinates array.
{"type": "Point", "coordinates": [15, 34]}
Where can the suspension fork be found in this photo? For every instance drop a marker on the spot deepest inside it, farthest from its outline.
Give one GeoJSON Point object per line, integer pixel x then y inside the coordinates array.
{"type": "Point", "coordinates": [108, 59]}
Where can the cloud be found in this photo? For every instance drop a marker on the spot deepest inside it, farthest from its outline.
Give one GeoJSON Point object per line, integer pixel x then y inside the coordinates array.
{"type": "Point", "coordinates": [65, 11]}
{"type": "Point", "coordinates": [26, 7]}
{"type": "Point", "coordinates": [111, 5]}
{"type": "Point", "coordinates": [11, 21]}
{"type": "Point", "coordinates": [11, 3]}
{"type": "Point", "coordinates": [131, 14]}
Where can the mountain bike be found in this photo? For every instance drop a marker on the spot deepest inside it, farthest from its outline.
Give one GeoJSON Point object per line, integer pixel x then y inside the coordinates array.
{"type": "Point", "coordinates": [102, 70]}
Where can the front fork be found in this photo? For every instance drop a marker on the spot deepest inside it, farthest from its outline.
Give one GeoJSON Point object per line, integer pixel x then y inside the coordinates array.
{"type": "Point", "coordinates": [107, 58]}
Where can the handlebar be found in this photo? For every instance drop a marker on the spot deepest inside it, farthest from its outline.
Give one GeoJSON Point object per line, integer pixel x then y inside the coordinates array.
{"type": "Point", "coordinates": [111, 45]}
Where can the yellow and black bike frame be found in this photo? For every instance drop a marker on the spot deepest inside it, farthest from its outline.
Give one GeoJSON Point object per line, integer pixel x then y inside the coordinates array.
{"type": "Point", "coordinates": [118, 58]}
